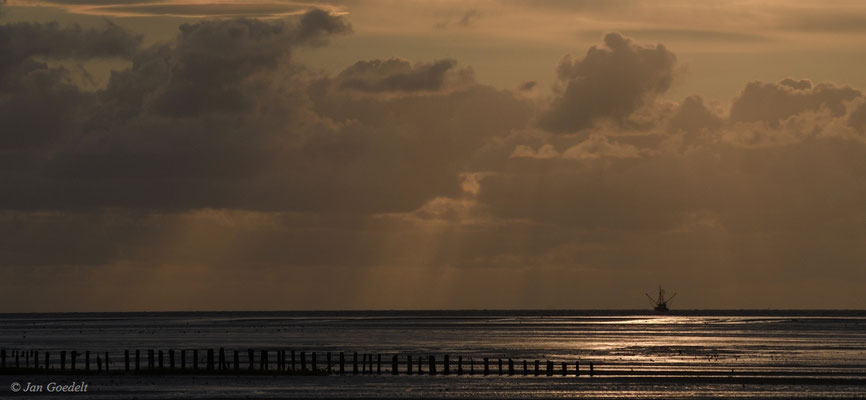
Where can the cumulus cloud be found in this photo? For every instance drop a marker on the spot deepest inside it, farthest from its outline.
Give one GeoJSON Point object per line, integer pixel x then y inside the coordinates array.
{"type": "Point", "coordinates": [397, 75]}
{"type": "Point", "coordinates": [773, 102]}
{"type": "Point", "coordinates": [609, 82]}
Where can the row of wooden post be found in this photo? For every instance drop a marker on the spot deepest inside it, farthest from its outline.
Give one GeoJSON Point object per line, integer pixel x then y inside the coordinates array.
{"type": "Point", "coordinates": [285, 361]}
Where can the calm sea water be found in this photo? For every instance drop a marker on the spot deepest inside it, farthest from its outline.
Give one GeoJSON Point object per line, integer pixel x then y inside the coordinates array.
{"type": "Point", "coordinates": [636, 354]}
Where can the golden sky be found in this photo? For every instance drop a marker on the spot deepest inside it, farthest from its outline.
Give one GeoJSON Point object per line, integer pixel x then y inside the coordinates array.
{"type": "Point", "coordinates": [281, 155]}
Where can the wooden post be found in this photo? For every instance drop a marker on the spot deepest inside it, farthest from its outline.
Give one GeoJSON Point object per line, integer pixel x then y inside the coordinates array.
{"type": "Point", "coordinates": [525, 368]}
{"type": "Point", "coordinates": [471, 366]}
{"type": "Point", "coordinates": [87, 360]}
{"type": "Point", "coordinates": [283, 362]}
{"type": "Point", "coordinates": [549, 368]}
{"type": "Point", "coordinates": [237, 361]}
{"type": "Point", "coordinates": [394, 370]}
{"type": "Point", "coordinates": [510, 367]}
{"type": "Point", "coordinates": [420, 364]}
{"type": "Point", "coordinates": [18, 359]}
{"type": "Point", "coordinates": [591, 368]}
{"type": "Point", "coordinates": [73, 356]}
{"type": "Point", "coordinates": [161, 364]}
{"type": "Point", "coordinates": [486, 366]}
{"type": "Point", "coordinates": [137, 360]}
{"type": "Point", "coordinates": [432, 365]}
{"type": "Point", "coordinates": [313, 366]}
{"type": "Point", "coordinates": [126, 360]}
{"type": "Point", "coordinates": [264, 360]}
{"type": "Point", "coordinates": [564, 369]}
{"type": "Point", "coordinates": [183, 359]}
{"type": "Point", "coordinates": [378, 364]}
{"type": "Point", "coordinates": [106, 361]}
{"type": "Point", "coordinates": [251, 358]}
{"type": "Point", "coordinates": [210, 360]}
{"type": "Point", "coordinates": [293, 360]}
{"type": "Point", "coordinates": [577, 368]}
{"type": "Point", "coordinates": [536, 368]}
{"type": "Point", "coordinates": [342, 362]}
{"type": "Point", "coordinates": [303, 361]}
{"type": "Point", "coordinates": [171, 358]}
{"type": "Point", "coordinates": [63, 360]}
{"type": "Point", "coordinates": [195, 359]}
{"type": "Point", "coordinates": [500, 366]}
{"type": "Point", "coordinates": [26, 359]}
{"type": "Point", "coordinates": [47, 362]}
{"type": "Point", "coordinates": [150, 359]}
{"type": "Point", "coordinates": [328, 360]}
{"type": "Point", "coordinates": [446, 366]}
{"type": "Point", "coordinates": [222, 359]}
{"type": "Point", "coordinates": [36, 359]}
{"type": "Point", "coordinates": [355, 364]}
{"type": "Point", "coordinates": [370, 364]}
{"type": "Point", "coordinates": [98, 363]}
{"type": "Point", "coordinates": [459, 365]}
{"type": "Point", "coordinates": [409, 364]}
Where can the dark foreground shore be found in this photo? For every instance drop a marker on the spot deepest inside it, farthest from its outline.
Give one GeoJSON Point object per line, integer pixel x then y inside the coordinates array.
{"type": "Point", "coordinates": [373, 387]}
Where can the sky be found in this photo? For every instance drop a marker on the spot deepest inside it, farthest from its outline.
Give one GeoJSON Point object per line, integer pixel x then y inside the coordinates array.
{"type": "Point", "coordinates": [162, 155]}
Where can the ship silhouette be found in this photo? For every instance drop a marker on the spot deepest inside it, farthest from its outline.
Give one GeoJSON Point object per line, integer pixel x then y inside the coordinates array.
{"type": "Point", "coordinates": [661, 304]}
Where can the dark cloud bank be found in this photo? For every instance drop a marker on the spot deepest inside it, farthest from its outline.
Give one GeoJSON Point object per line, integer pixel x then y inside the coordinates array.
{"type": "Point", "coordinates": [218, 157]}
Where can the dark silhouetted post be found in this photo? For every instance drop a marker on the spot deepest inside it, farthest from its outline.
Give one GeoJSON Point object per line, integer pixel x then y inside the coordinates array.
{"type": "Point", "coordinates": [591, 368]}
{"type": "Point", "coordinates": [251, 358]}
{"type": "Point", "coordinates": [237, 361]}
{"type": "Point", "coordinates": [74, 355]}
{"type": "Point", "coordinates": [171, 358]}
{"type": "Point", "coordinates": [510, 367]}
{"type": "Point", "coordinates": [564, 369]}
{"type": "Point", "coordinates": [183, 359]}
{"type": "Point", "coordinates": [150, 359]}
{"type": "Point", "coordinates": [549, 368]}
{"type": "Point", "coordinates": [536, 367]}
{"type": "Point", "coordinates": [378, 364]}
{"type": "Point", "coordinates": [420, 365]}
{"type": "Point", "coordinates": [328, 360]}
{"type": "Point", "coordinates": [126, 360]}
{"type": "Point", "coordinates": [160, 360]}
{"type": "Point", "coordinates": [98, 363]}
{"type": "Point", "coordinates": [471, 366]}
{"type": "Point", "coordinates": [446, 365]}
{"type": "Point", "coordinates": [525, 369]}
{"type": "Point", "coordinates": [459, 365]}
{"type": "Point", "coordinates": [281, 360]}
{"type": "Point", "coordinates": [486, 366]}
{"type": "Point", "coordinates": [222, 359]}
{"type": "Point", "coordinates": [137, 360]}
{"type": "Point", "coordinates": [342, 362]}
{"type": "Point", "coordinates": [87, 360]}
{"type": "Point", "coordinates": [36, 359]}
{"type": "Point", "coordinates": [409, 365]}
{"type": "Point", "coordinates": [47, 361]}
{"type": "Point", "coordinates": [63, 360]}
{"type": "Point", "coordinates": [106, 361]}
{"type": "Point", "coordinates": [303, 361]}
{"type": "Point", "coordinates": [500, 366]}
{"type": "Point", "coordinates": [577, 368]}
{"type": "Point", "coordinates": [313, 364]}
{"type": "Point", "coordinates": [210, 363]}
{"type": "Point", "coordinates": [394, 365]}
{"type": "Point", "coordinates": [355, 363]}
{"type": "Point", "coordinates": [264, 361]}
{"type": "Point", "coordinates": [370, 361]}
{"type": "Point", "coordinates": [293, 360]}
{"type": "Point", "coordinates": [432, 365]}
{"type": "Point", "coordinates": [195, 359]}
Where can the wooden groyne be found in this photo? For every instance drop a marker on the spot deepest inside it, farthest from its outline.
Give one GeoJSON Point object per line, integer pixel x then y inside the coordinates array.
{"type": "Point", "coordinates": [275, 362]}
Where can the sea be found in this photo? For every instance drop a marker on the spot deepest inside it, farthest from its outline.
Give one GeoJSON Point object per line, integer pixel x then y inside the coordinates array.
{"type": "Point", "coordinates": [748, 354]}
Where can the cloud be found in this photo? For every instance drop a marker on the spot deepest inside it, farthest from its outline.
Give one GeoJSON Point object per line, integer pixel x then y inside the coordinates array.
{"type": "Point", "coordinates": [610, 82]}
{"type": "Point", "coordinates": [397, 75]}
{"type": "Point", "coordinates": [185, 9]}
{"type": "Point", "coordinates": [773, 102]}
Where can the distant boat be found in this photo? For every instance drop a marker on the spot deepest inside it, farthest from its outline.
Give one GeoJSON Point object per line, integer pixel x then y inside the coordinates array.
{"type": "Point", "coordinates": [661, 304]}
